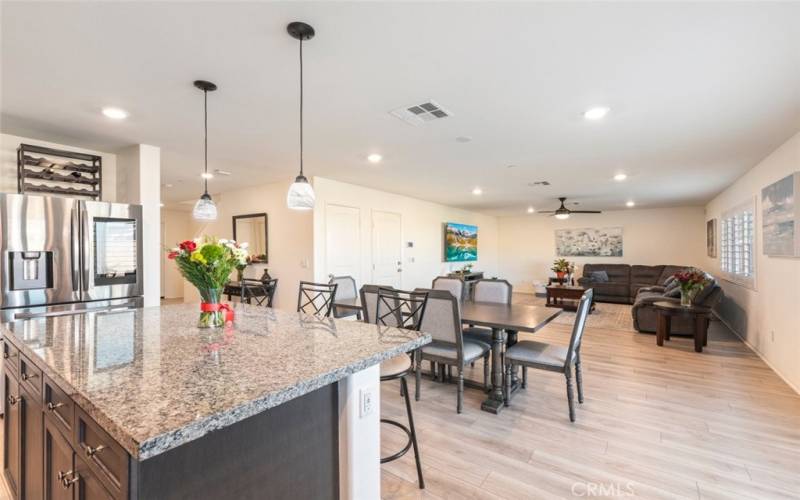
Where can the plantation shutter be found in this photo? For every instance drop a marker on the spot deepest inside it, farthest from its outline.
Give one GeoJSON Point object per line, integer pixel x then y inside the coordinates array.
{"type": "Point", "coordinates": [737, 244]}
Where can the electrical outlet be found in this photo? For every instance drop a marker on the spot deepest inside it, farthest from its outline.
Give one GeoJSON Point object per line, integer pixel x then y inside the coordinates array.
{"type": "Point", "coordinates": [366, 402]}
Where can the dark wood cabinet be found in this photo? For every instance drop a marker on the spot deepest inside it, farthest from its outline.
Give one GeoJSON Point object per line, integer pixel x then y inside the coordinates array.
{"type": "Point", "coordinates": [32, 446]}
{"type": "Point", "coordinates": [11, 433]}
{"type": "Point", "coordinates": [88, 486]}
{"type": "Point", "coordinates": [58, 464]}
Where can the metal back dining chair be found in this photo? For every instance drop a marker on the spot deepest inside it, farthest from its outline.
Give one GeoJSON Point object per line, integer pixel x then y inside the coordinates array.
{"type": "Point", "coordinates": [346, 289]}
{"type": "Point", "coordinates": [316, 298]}
{"type": "Point", "coordinates": [258, 291]}
{"type": "Point", "coordinates": [452, 285]}
{"type": "Point", "coordinates": [387, 306]}
{"type": "Point", "coordinates": [550, 357]}
{"type": "Point", "coordinates": [449, 347]}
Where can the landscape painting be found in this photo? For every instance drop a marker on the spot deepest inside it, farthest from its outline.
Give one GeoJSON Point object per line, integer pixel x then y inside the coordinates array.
{"type": "Point", "coordinates": [589, 242]}
{"type": "Point", "coordinates": [779, 215]}
{"type": "Point", "coordinates": [460, 242]}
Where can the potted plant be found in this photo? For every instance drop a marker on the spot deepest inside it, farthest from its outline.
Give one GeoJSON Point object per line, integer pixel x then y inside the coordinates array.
{"type": "Point", "coordinates": [691, 281]}
{"type": "Point", "coordinates": [562, 267]}
{"type": "Point", "coordinates": [207, 263]}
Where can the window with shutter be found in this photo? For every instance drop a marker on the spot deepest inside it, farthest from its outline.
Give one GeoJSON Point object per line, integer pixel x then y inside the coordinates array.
{"type": "Point", "coordinates": [737, 244]}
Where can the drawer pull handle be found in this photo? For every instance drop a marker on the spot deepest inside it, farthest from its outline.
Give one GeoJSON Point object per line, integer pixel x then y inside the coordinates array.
{"type": "Point", "coordinates": [67, 482]}
{"type": "Point", "coordinates": [28, 376]}
{"type": "Point", "coordinates": [52, 407]}
{"type": "Point", "coordinates": [63, 475]}
{"type": "Point", "coordinates": [6, 355]}
{"type": "Point", "coordinates": [90, 452]}
{"type": "Point", "coordinates": [12, 400]}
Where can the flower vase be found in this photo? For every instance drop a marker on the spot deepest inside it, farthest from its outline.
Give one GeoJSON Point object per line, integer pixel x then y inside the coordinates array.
{"type": "Point", "coordinates": [212, 315]}
{"type": "Point", "coordinates": [560, 276]}
{"type": "Point", "coordinates": [686, 298]}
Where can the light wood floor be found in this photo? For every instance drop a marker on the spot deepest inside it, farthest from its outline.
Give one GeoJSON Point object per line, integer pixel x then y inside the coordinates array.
{"type": "Point", "coordinates": [657, 423]}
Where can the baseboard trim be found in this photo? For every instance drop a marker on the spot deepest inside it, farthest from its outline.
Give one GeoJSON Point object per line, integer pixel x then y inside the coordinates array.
{"type": "Point", "coordinates": [758, 353]}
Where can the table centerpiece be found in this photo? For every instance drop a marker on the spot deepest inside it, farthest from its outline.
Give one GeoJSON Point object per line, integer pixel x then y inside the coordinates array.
{"type": "Point", "coordinates": [691, 281]}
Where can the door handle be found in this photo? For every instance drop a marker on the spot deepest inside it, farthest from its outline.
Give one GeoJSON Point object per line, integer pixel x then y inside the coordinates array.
{"type": "Point", "coordinates": [75, 249]}
{"type": "Point", "coordinates": [84, 237]}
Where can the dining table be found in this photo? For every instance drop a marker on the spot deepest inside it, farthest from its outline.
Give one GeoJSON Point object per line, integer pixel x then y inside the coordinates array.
{"type": "Point", "coordinates": [500, 318]}
{"type": "Point", "coordinates": [509, 318]}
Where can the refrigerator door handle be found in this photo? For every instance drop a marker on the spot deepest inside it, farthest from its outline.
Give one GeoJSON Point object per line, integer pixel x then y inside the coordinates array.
{"type": "Point", "coordinates": [75, 250]}
{"type": "Point", "coordinates": [85, 253]}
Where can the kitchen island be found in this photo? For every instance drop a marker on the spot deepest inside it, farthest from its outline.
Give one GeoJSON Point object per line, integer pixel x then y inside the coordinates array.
{"type": "Point", "coordinates": [142, 404]}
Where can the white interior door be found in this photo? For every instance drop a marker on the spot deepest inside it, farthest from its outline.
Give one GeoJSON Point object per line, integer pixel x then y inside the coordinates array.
{"type": "Point", "coordinates": [387, 249]}
{"type": "Point", "coordinates": [343, 241]}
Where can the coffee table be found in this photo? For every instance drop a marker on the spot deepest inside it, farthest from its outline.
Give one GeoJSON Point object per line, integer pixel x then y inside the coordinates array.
{"type": "Point", "coordinates": [566, 297]}
{"type": "Point", "coordinates": [699, 316]}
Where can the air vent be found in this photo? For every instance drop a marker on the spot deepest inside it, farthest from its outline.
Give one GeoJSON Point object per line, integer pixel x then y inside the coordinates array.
{"type": "Point", "coordinates": [417, 114]}
{"type": "Point", "coordinates": [222, 172]}
{"type": "Point", "coordinates": [539, 183]}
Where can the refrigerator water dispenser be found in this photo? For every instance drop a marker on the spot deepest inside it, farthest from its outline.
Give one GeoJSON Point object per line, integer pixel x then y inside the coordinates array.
{"type": "Point", "coordinates": [30, 270]}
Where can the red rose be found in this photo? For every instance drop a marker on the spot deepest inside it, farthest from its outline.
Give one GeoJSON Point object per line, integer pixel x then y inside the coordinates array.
{"type": "Point", "coordinates": [172, 255]}
{"type": "Point", "coordinates": [188, 246]}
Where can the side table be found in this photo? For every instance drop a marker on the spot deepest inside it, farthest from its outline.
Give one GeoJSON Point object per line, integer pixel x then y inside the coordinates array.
{"type": "Point", "coordinates": [698, 315]}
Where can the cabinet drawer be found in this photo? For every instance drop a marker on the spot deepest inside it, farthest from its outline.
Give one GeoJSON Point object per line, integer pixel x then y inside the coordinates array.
{"type": "Point", "coordinates": [59, 407]}
{"type": "Point", "coordinates": [11, 358]}
{"type": "Point", "coordinates": [102, 453]}
{"type": "Point", "coordinates": [30, 377]}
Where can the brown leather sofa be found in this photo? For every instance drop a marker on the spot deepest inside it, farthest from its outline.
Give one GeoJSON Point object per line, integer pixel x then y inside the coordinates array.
{"type": "Point", "coordinates": [624, 280]}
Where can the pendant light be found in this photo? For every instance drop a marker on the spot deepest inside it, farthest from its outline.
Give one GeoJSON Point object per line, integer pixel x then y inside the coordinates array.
{"type": "Point", "coordinates": [204, 209]}
{"type": "Point", "coordinates": [301, 194]}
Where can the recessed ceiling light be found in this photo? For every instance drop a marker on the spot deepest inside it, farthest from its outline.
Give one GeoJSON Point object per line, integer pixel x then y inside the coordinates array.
{"type": "Point", "coordinates": [374, 158]}
{"type": "Point", "coordinates": [531, 210]}
{"type": "Point", "coordinates": [115, 113]}
{"type": "Point", "coordinates": [167, 185]}
{"type": "Point", "coordinates": [477, 191]}
{"type": "Point", "coordinates": [160, 204]}
{"type": "Point", "coordinates": [207, 175]}
{"type": "Point", "coordinates": [463, 139]}
{"type": "Point", "coordinates": [630, 204]}
{"type": "Point", "coordinates": [620, 177]}
{"type": "Point", "coordinates": [597, 113]}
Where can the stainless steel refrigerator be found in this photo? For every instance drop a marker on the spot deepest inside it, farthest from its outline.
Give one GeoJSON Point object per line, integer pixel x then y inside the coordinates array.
{"type": "Point", "coordinates": [63, 256]}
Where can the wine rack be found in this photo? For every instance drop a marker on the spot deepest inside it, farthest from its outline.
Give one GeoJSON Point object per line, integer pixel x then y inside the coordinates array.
{"type": "Point", "coordinates": [54, 171]}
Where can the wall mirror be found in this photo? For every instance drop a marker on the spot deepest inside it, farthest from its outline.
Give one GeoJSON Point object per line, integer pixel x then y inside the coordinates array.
{"type": "Point", "coordinates": [252, 229]}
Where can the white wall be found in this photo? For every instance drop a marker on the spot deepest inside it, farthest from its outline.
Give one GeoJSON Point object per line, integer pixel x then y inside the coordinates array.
{"type": "Point", "coordinates": [8, 163]}
{"type": "Point", "coordinates": [421, 224]}
{"type": "Point", "coordinates": [290, 236]}
{"type": "Point", "coordinates": [650, 237]}
{"type": "Point", "coordinates": [765, 317]}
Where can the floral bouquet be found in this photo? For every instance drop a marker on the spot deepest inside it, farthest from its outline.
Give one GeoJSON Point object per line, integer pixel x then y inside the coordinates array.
{"type": "Point", "coordinates": [691, 281]}
{"type": "Point", "coordinates": [207, 264]}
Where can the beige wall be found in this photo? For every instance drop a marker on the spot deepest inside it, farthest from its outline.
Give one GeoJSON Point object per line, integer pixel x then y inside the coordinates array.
{"type": "Point", "coordinates": [290, 236]}
{"type": "Point", "coordinates": [421, 224]}
{"type": "Point", "coordinates": [177, 226]}
{"type": "Point", "coordinates": [8, 163]}
{"type": "Point", "coordinates": [650, 236]}
{"type": "Point", "coordinates": [766, 317]}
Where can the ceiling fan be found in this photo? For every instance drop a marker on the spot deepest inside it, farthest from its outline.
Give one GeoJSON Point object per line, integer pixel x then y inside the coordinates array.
{"type": "Point", "coordinates": [563, 212]}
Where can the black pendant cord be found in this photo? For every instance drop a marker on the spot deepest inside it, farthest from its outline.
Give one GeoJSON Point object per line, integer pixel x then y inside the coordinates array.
{"type": "Point", "coordinates": [301, 107]}
{"type": "Point", "coordinates": [205, 140]}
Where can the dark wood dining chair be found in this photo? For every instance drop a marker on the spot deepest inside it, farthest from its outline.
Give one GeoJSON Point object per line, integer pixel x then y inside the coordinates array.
{"type": "Point", "coordinates": [316, 298]}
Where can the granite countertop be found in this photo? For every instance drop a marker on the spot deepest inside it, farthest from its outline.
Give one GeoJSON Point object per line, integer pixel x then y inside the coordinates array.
{"type": "Point", "coordinates": [154, 381]}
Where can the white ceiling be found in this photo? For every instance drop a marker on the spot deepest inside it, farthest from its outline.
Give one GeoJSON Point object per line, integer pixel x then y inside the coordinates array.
{"type": "Point", "coordinates": [698, 93]}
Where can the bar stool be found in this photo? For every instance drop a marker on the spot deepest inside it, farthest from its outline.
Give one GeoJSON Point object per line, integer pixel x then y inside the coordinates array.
{"type": "Point", "coordinates": [389, 307]}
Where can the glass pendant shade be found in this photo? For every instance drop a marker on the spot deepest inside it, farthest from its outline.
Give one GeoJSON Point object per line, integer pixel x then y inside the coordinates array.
{"type": "Point", "coordinates": [205, 209]}
{"type": "Point", "coordinates": [300, 195]}
{"type": "Point", "coordinates": [562, 216]}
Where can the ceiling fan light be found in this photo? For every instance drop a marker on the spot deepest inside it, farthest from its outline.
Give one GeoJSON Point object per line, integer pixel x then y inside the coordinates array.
{"type": "Point", "coordinates": [300, 195]}
{"type": "Point", "coordinates": [205, 209]}
{"type": "Point", "coordinates": [562, 216]}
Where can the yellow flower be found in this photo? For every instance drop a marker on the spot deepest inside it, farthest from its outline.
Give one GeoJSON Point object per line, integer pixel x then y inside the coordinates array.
{"type": "Point", "coordinates": [198, 257]}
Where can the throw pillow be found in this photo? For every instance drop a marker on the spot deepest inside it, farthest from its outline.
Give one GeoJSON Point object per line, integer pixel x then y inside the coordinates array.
{"type": "Point", "coordinates": [668, 281]}
{"type": "Point", "coordinates": [673, 291]}
{"type": "Point", "coordinates": [599, 276]}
